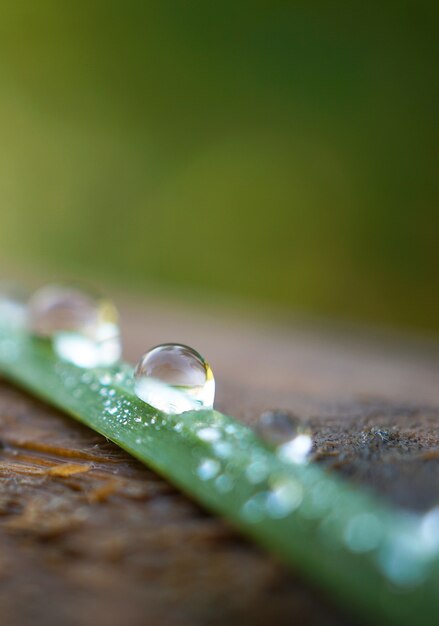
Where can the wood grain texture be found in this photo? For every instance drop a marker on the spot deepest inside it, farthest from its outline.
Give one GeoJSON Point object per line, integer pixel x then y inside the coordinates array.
{"type": "Point", "coordinates": [90, 536]}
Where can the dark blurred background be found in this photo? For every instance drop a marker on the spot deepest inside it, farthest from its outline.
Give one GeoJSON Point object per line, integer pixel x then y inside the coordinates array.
{"type": "Point", "coordinates": [278, 153]}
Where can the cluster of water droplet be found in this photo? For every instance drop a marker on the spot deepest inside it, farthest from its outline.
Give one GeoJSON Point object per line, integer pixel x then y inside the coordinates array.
{"type": "Point", "coordinates": [173, 379]}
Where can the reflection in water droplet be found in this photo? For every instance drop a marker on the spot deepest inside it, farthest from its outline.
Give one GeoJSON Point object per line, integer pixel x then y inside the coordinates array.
{"type": "Point", "coordinates": [174, 378]}
{"type": "Point", "coordinates": [363, 533]}
{"type": "Point", "coordinates": [208, 468]}
{"type": "Point", "coordinates": [82, 324]}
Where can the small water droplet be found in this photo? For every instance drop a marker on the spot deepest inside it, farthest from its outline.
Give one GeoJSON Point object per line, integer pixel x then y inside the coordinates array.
{"type": "Point", "coordinates": [278, 427]}
{"type": "Point", "coordinates": [257, 471]}
{"type": "Point", "coordinates": [363, 533]}
{"type": "Point", "coordinates": [174, 378]}
{"type": "Point", "coordinates": [105, 379]}
{"type": "Point", "coordinates": [284, 498]}
{"type": "Point", "coordinates": [223, 449]}
{"type": "Point", "coordinates": [429, 530]}
{"type": "Point", "coordinates": [404, 560]}
{"type": "Point", "coordinates": [112, 410]}
{"type": "Point", "coordinates": [209, 434]}
{"type": "Point", "coordinates": [224, 483]}
{"type": "Point", "coordinates": [295, 451]}
{"type": "Point", "coordinates": [254, 510]}
{"type": "Point", "coordinates": [208, 468]}
{"type": "Point", "coordinates": [81, 324]}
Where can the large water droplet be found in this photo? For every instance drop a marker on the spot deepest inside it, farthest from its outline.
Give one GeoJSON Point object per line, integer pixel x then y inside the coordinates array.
{"type": "Point", "coordinates": [287, 433]}
{"type": "Point", "coordinates": [82, 324]}
{"type": "Point", "coordinates": [174, 378]}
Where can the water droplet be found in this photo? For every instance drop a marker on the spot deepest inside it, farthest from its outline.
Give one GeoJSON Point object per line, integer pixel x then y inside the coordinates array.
{"type": "Point", "coordinates": [223, 449]}
{"type": "Point", "coordinates": [174, 378]}
{"type": "Point", "coordinates": [296, 450]}
{"type": "Point", "coordinates": [254, 509]}
{"type": "Point", "coordinates": [82, 324]}
{"type": "Point", "coordinates": [287, 433]}
{"type": "Point", "coordinates": [230, 429]}
{"type": "Point", "coordinates": [208, 469]}
{"type": "Point", "coordinates": [105, 379]}
{"type": "Point", "coordinates": [320, 498]}
{"type": "Point", "coordinates": [363, 533]}
{"type": "Point", "coordinates": [429, 530]}
{"type": "Point", "coordinates": [277, 427]}
{"type": "Point", "coordinates": [209, 434]}
{"type": "Point", "coordinates": [284, 498]}
{"type": "Point", "coordinates": [257, 471]}
{"type": "Point", "coordinates": [224, 483]}
{"type": "Point", "coordinates": [404, 559]}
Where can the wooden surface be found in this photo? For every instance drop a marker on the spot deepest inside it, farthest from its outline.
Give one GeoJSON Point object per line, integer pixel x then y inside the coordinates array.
{"type": "Point", "coordinates": [89, 536]}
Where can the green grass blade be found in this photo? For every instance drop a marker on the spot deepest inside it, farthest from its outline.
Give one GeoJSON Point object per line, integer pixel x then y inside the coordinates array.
{"type": "Point", "coordinates": [367, 555]}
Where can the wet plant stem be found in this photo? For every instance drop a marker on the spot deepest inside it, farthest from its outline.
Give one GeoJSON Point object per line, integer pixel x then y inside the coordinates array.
{"type": "Point", "coordinates": [370, 557]}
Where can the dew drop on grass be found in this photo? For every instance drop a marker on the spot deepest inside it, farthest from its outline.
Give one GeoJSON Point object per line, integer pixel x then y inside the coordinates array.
{"type": "Point", "coordinates": [208, 468]}
{"type": "Point", "coordinates": [256, 471]}
{"type": "Point", "coordinates": [209, 434]}
{"type": "Point", "coordinates": [285, 496]}
{"type": "Point", "coordinates": [224, 483]}
{"type": "Point", "coordinates": [82, 325]}
{"type": "Point", "coordinates": [254, 509]}
{"type": "Point", "coordinates": [222, 449]}
{"type": "Point", "coordinates": [287, 433]}
{"type": "Point", "coordinates": [105, 379]}
{"type": "Point", "coordinates": [174, 378]}
{"type": "Point", "coordinates": [363, 532]}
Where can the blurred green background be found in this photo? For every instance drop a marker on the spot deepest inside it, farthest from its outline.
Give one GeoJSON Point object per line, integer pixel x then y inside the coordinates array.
{"type": "Point", "coordinates": [282, 153]}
